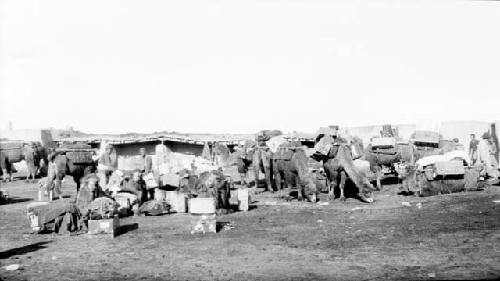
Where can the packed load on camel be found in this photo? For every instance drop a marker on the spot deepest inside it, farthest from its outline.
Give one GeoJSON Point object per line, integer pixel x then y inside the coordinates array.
{"type": "Point", "coordinates": [336, 155]}
{"type": "Point", "coordinates": [447, 173]}
{"type": "Point", "coordinates": [31, 155]}
{"type": "Point", "coordinates": [258, 155]}
{"type": "Point", "coordinates": [208, 184]}
{"type": "Point", "coordinates": [290, 169]}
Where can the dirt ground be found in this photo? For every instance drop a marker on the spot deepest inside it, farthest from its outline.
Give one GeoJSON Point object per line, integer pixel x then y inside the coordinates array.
{"type": "Point", "coordinates": [454, 236]}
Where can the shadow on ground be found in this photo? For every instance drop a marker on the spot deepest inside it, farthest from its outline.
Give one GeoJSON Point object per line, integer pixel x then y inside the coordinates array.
{"type": "Point", "coordinates": [23, 250]}
{"type": "Point", "coordinates": [14, 200]}
{"type": "Point", "coordinates": [127, 228]}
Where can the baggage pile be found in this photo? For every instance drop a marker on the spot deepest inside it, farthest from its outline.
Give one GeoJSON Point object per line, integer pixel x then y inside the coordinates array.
{"type": "Point", "coordinates": [447, 173]}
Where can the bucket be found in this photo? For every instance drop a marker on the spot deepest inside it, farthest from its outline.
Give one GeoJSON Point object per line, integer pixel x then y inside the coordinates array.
{"type": "Point", "coordinates": [177, 201]}
{"type": "Point", "coordinates": [160, 195]}
{"type": "Point", "coordinates": [242, 194]}
{"type": "Point", "coordinates": [202, 206]}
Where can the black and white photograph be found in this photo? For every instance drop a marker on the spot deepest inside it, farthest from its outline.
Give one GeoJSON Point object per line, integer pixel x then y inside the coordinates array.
{"type": "Point", "coordinates": [249, 140]}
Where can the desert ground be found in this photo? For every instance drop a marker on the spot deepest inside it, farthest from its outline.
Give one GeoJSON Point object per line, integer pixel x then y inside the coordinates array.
{"type": "Point", "coordinates": [453, 236]}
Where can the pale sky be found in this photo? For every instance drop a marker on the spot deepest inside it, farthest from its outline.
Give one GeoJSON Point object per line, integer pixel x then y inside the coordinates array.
{"type": "Point", "coordinates": [240, 66]}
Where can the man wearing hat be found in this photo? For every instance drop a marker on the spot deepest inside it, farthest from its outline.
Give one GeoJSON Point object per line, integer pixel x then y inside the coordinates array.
{"type": "Point", "coordinates": [484, 155]}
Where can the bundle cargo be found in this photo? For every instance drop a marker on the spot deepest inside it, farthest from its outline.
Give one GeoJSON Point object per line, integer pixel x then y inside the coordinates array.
{"type": "Point", "coordinates": [154, 208]}
{"type": "Point", "coordinates": [324, 145]}
{"type": "Point", "coordinates": [442, 174]}
{"type": "Point", "coordinates": [383, 142]}
{"type": "Point", "coordinates": [80, 157]}
{"type": "Point", "coordinates": [283, 153]}
{"type": "Point", "coordinates": [427, 137]}
{"type": "Point", "coordinates": [382, 156]}
{"type": "Point", "coordinates": [13, 150]}
{"type": "Point", "coordinates": [459, 155]}
{"type": "Point", "coordinates": [429, 183]}
{"type": "Point", "coordinates": [430, 188]}
{"type": "Point", "coordinates": [275, 142]}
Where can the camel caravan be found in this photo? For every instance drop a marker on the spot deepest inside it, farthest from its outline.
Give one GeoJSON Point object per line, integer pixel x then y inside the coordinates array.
{"type": "Point", "coordinates": [337, 163]}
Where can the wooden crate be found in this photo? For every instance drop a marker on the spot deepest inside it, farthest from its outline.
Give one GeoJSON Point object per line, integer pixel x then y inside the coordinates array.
{"type": "Point", "coordinates": [105, 226]}
{"type": "Point", "coordinates": [201, 205]}
{"type": "Point", "coordinates": [243, 199]}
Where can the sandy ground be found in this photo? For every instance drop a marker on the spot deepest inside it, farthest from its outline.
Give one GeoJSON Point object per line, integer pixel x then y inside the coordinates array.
{"type": "Point", "coordinates": [453, 236]}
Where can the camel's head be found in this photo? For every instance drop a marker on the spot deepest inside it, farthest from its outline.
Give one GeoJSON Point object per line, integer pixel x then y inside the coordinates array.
{"type": "Point", "coordinates": [311, 190]}
{"type": "Point", "coordinates": [366, 194]}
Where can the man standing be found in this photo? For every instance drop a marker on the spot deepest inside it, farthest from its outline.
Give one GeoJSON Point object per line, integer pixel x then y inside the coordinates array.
{"type": "Point", "coordinates": [146, 161]}
{"type": "Point", "coordinates": [147, 174]}
{"type": "Point", "coordinates": [473, 148]}
{"type": "Point", "coordinates": [484, 156]}
{"type": "Point", "coordinates": [107, 164]}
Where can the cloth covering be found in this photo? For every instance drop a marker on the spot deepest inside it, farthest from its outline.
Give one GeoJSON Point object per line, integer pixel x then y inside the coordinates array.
{"type": "Point", "coordinates": [324, 145]}
{"type": "Point", "coordinates": [275, 142]}
{"type": "Point", "coordinates": [453, 155]}
{"type": "Point", "coordinates": [155, 208]}
{"type": "Point", "coordinates": [50, 212]}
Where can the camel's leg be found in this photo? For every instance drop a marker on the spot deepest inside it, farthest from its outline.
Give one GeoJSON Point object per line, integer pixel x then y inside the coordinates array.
{"type": "Point", "coordinates": [256, 169]}
{"type": "Point", "coordinates": [267, 173]}
{"type": "Point", "coordinates": [278, 179]}
{"type": "Point", "coordinates": [78, 183]}
{"type": "Point", "coordinates": [333, 183]}
{"type": "Point", "coordinates": [343, 177]}
{"type": "Point", "coordinates": [378, 173]}
{"type": "Point", "coordinates": [40, 194]}
{"type": "Point", "coordinates": [288, 190]}
{"type": "Point", "coordinates": [58, 187]}
{"type": "Point", "coordinates": [4, 175]}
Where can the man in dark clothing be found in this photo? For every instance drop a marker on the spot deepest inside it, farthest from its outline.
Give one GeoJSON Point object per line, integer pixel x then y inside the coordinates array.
{"type": "Point", "coordinates": [473, 148]}
{"type": "Point", "coordinates": [135, 184]}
